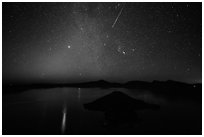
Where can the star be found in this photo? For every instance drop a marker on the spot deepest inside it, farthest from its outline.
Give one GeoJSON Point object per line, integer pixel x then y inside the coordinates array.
{"type": "Point", "coordinates": [169, 31]}
{"type": "Point", "coordinates": [81, 28]}
{"type": "Point", "coordinates": [188, 69]}
{"type": "Point", "coordinates": [119, 49]}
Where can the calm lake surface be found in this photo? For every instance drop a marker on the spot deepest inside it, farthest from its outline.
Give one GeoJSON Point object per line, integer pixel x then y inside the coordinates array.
{"type": "Point", "coordinates": [61, 111]}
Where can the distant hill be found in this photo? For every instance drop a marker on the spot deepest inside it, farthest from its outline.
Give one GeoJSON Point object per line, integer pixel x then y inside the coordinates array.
{"type": "Point", "coordinates": [169, 85]}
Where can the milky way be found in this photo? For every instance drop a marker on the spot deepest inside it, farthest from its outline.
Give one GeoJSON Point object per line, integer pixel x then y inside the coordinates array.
{"type": "Point", "coordinates": [66, 42]}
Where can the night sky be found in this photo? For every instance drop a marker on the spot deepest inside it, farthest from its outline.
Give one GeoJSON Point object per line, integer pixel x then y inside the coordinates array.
{"type": "Point", "coordinates": [74, 42]}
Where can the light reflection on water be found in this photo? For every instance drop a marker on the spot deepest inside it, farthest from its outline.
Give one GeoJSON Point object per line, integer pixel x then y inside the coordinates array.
{"type": "Point", "coordinates": [61, 110]}
{"type": "Point", "coordinates": [79, 93]}
{"type": "Point", "coordinates": [64, 115]}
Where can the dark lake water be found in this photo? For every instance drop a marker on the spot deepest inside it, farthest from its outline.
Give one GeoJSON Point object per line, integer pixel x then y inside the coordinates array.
{"type": "Point", "coordinates": [61, 111]}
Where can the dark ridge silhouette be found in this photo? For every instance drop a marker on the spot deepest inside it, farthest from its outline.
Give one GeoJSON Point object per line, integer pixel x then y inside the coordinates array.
{"type": "Point", "coordinates": [170, 89]}
{"type": "Point", "coordinates": [120, 110]}
{"type": "Point", "coordinates": [117, 101]}
{"type": "Point", "coordinates": [158, 86]}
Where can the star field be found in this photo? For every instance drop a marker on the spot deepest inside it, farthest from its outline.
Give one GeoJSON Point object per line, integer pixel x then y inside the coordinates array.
{"type": "Point", "coordinates": [63, 42]}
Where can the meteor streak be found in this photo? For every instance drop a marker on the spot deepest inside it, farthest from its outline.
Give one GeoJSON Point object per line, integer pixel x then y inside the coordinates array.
{"type": "Point", "coordinates": [117, 17]}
